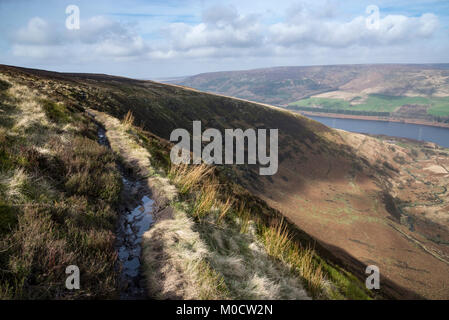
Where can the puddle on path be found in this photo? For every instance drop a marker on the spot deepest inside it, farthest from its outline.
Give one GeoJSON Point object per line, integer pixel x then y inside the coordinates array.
{"type": "Point", "coordinates": [132, 224]}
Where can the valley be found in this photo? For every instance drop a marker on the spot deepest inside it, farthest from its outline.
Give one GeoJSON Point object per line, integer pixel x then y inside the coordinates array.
{"type": "Point", "coordinates": [419, 92]}
{"type": "Point", "coordinates": [346, 200]}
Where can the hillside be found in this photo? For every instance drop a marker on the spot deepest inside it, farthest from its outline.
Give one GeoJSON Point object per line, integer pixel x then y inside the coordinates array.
{"type": "Point", "coordinates": [357, 200]}
{"type": "Point", "coordinates": [413, 91]}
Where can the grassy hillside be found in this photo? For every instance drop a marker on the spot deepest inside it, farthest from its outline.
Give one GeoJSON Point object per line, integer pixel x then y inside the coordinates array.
{"type": "Point", "coordinates": [369, 88]}
{"type": "Point", "coordinates": [336, 192]}
{"type": "Point", "coordinates": [58, 194]}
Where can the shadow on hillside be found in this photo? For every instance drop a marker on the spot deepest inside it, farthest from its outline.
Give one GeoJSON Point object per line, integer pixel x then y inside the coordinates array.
{"type": "Point", "coordinates": [162, 108]}
{"type": "Point", "coordinates": [389, 289]}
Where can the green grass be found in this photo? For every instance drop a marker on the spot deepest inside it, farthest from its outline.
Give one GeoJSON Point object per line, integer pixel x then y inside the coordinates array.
{"type": "Point", "coordinates": [159, 156]}
{"type": "Point", "coordinates": [55, 112]}
{"type": "Point", "coordinates": [349, 287]}
{"type": "Point", "coordinates": [323, 102]}
{"type": "Point", "coordinates": [440, 107]}
{"type": "Point", "coordinates": [380, 103]}
{"type": "Point", "coordinates": [388, 103]}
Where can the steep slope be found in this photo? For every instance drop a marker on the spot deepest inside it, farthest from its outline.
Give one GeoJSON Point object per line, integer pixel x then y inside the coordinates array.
{"type": "Point", "coordinates": [347, 191]}
{"type": "Point", "coordinates": [62, 203]}
{"type": "Point", "coordinates": [214, 257]}
{"type": "Point", "coordinates": [67, 179]}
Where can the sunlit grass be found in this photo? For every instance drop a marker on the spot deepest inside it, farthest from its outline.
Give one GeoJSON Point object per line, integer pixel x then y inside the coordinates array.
{"type": "Point", "coordinates": [438, 106]}
{"type": "Point", "coordinates": [186, 177]}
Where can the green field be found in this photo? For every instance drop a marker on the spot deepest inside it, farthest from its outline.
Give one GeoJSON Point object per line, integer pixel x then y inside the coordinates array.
{"type": "Point", "coordinates": [323, 102]}
{"type": "Point", "coordinates": [379, 103]}
{"type": "Point", "coordinates": [440, 107]}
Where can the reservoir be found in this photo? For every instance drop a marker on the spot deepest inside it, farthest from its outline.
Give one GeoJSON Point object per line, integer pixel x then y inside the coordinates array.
{"type": "Point", "coordinates": [437, 135]}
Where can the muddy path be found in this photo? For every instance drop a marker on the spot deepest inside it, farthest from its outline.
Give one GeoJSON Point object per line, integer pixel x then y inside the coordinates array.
{"type": "Point", "coordinates": [144, 198]}
{"type": "Point", "coordinates": [135, 218]}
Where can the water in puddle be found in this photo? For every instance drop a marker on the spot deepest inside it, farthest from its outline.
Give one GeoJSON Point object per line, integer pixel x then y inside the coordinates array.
{"type": "Point", "coordinates": [135, 224]}
{"type": "Point", "coordinates": [132, 225]}
{"type": "Point", "coordinates": [102, 137]}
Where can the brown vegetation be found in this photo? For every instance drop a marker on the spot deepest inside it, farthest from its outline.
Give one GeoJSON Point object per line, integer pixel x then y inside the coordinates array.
{"type": "Point", "coordinates": [329, 185]}
{"type": "Point", "coordinates": [58, 191]}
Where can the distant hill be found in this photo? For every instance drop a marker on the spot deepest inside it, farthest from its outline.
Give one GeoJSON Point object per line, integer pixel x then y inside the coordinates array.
{"type": "Point", "coordinates": [354, 86]}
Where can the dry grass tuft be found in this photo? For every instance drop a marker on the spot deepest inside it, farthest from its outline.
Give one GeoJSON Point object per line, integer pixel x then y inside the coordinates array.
{"type": "Point", "coordinates": [225, 208]}
{"type": "Point", "coordinates": [128, 120]}
{"type": "Point", "coordinates": [279, 244]}
{"type": "Point", "coordinates": [187, 177]}
{"type": "Point", "coordinates": [206, 199]}
{"type": "Point", "coordinates": [243, 218]}
{"type": "Point", "coordinates": [276, 238]}
{"type": "Point", "coordinates": [28, 102]}
{"type": "Point", "coordinates": [15, 184]}
{"type": "Point", "coordinates": [309, 270]}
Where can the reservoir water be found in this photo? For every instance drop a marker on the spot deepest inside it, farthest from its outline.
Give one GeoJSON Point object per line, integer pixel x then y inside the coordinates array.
{"type": "Point", "coordinates": [437, 135]}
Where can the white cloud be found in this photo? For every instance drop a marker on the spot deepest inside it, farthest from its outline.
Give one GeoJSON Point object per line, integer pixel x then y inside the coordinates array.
{"type": "Point", "coordinates": [393, 29]}
{"type": "Point", "coordinates": [222, 27]}
{"type": "Point", "coordinates": [222, 32]}
{"type": "Point", "coordinates": [97, 37]}
{"type": "Point", "coordinates": [37, 32]}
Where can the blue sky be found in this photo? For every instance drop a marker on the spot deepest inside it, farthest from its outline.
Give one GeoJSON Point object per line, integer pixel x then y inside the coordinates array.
{"type": "Point", "coordinates": [155, 39]}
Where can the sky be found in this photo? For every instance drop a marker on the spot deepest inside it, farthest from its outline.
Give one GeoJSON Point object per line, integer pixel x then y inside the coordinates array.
{"type": "Point", "coordinates": [159, 39]}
